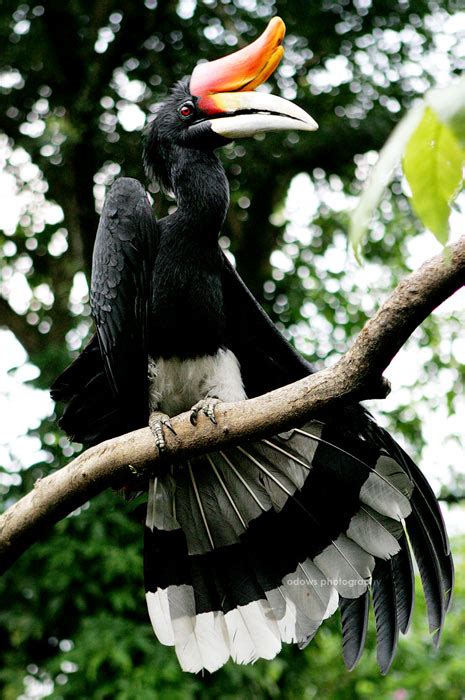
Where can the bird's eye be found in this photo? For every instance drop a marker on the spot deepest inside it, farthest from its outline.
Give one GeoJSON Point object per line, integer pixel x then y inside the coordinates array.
{"type": "Point", "coordinates": [186, 110]}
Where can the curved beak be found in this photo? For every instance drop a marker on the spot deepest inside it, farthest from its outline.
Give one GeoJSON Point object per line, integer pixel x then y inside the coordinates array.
{"type": "Point", "coordinates": [224, 89]}
{"type": "Point", "coordinates": [236, 115]}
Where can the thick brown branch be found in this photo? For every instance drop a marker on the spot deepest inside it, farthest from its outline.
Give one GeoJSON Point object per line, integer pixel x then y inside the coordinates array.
{"type": "Point", "coordinates": [357, 375]}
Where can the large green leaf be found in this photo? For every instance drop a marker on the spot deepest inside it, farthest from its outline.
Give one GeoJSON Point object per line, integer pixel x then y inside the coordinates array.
{"type": "Point", "coordinates": [381, 175]}
{"type": "Point", "coordinates": [433, 165]}
{"type": "Point", "coordinates": [449, 105]}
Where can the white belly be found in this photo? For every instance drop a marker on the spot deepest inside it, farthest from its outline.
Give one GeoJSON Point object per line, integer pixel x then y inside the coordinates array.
{"type": "Point", "coordinates": [176, 385]}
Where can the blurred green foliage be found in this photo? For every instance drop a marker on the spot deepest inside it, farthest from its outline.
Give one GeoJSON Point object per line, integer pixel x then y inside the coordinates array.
{"type": "Point", "coordinates": [75, 82]}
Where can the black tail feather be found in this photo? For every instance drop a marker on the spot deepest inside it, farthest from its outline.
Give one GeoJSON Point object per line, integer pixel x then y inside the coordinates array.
{"type": "Point", "coordinates": [428, 534]}
{"type": "Point", "coordinates": [404, 584]}
{"type": "Point", "coordinates": [384, 604]}
{"type": "Point", "coordinates": [430, 574]}
{"type": "Point", "coordinates": [354, 622]}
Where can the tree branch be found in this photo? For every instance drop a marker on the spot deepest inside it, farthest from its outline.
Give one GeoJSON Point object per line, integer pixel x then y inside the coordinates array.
{"type": "Point", "coordinates": [356, 376]}
{"type": "Point", "coordinates": [27, 335]}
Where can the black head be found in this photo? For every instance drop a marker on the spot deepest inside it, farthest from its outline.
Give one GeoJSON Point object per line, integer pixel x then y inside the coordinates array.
{"type": "Point", "coordinates": [179, 125]}
{"type": "Point", "coordinates": [218, 104]}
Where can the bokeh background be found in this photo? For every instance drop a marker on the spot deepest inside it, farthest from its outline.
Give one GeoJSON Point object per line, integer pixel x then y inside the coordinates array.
{"type": "Point", "coordinates": [78, 81]}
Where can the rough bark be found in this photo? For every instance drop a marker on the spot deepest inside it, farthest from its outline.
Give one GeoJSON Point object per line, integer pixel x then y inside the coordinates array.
{"type": "Point", "coordinates": [357, 375]}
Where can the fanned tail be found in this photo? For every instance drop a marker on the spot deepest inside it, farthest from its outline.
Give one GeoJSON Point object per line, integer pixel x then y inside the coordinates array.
{"type": "Point", "coordinates": [256, 545]}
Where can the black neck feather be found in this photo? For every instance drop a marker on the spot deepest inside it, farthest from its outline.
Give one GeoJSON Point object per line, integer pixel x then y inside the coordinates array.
{"type": "Point", "coordinates": [187, 308]}
{"type": "Point", "coordinates": [202, 194]}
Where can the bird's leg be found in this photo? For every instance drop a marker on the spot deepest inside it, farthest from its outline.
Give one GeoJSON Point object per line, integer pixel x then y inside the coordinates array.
{"type": "Point", "coordinates": [207, 407]}
{"type": "Point", "coordinates": [157, 421]}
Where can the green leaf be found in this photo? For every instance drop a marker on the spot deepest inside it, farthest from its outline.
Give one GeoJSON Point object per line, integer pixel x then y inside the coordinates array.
{"type": "Point", "coordinates": [433, 165]}
{"type": "Point", "coordinates": [381, 175]}
{"type": "Point", "coordinates": [449, 105]}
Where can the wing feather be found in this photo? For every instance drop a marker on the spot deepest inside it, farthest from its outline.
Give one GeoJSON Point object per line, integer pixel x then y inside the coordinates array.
{"type": "Point", "coordinates": [124, 255]}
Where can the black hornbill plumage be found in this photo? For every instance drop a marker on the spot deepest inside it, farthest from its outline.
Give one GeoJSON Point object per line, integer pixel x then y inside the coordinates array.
{"type": "Point", "coordinates": [254, 545]}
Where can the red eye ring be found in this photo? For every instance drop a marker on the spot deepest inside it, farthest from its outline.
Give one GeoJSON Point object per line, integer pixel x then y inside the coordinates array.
{"type": "Point", "coordinates": [186, 110]}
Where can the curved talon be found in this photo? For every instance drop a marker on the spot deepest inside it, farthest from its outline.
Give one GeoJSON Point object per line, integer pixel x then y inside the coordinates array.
{"type": "Point", "coordinates": [210, 413]}
{"type": "Point", "coordinates": [168, 424]}
{"type": "Point", "coordinates": [207, 407]}
{"type": "Point", "coordinates": [157, 421]}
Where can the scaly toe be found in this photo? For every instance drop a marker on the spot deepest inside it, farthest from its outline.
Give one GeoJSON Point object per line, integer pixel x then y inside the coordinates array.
{"type": "Point", "coordinates": [210, 407]}
{"type": "Point", "coordinates": [157, 421]}
{"type": "Point", "coordinates": [207, 407]}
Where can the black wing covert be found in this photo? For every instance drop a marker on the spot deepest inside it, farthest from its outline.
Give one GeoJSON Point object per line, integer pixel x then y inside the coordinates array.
{"type": "Point", "coordinates": [266, 359]}
{"type": "Point", "coordinates": [124, 254]}
{"type": "Point", "coordinates": [105, 389]}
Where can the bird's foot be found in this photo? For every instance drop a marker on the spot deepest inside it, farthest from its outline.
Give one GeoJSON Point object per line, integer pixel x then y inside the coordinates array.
{"type": "Point", "coordinates": [206, 406]}
{"type": "Point", "coordinates": [158, 421]}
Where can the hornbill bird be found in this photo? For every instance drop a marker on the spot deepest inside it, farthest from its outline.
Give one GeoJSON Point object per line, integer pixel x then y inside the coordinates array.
{"type": "Point", "coordinates": [254, 545]}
